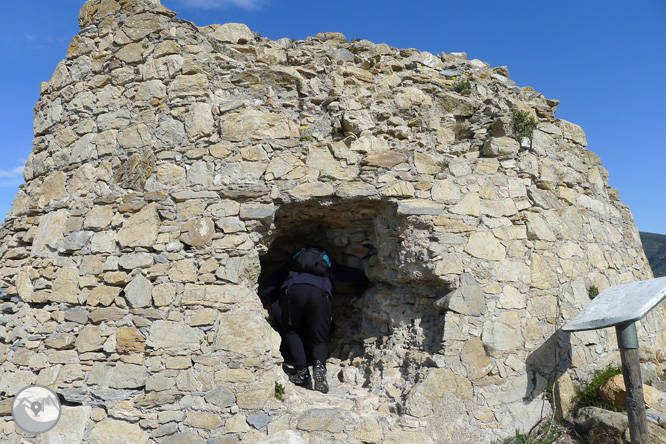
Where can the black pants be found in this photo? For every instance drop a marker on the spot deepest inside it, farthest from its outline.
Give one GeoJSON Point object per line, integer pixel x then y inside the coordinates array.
{"type": "Point", "coordinates": [310, 314]}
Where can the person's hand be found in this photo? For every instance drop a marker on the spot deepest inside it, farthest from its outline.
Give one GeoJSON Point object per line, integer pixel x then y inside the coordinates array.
{"type": "Point", "coordinates": [353, 300]}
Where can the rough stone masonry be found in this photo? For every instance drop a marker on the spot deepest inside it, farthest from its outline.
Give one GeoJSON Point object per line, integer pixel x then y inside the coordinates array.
{"type": "Point", "coordinates": [173, 165]}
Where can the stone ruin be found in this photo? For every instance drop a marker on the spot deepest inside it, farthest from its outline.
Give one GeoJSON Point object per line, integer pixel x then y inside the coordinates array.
{"type": "Point", "coordinates": [173, 165]}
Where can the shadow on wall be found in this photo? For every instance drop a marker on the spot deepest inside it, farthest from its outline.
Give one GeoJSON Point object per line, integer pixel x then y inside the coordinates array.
{"type": "Point", "coordinates": [547, 364]}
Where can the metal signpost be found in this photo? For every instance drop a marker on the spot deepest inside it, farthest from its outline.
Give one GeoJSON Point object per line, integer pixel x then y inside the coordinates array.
{"type": "Point", "coordinates": [621, 307]}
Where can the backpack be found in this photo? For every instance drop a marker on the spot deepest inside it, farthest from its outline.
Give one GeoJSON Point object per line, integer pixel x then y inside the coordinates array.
{"type": "Point", "coordinates": [312, 260]}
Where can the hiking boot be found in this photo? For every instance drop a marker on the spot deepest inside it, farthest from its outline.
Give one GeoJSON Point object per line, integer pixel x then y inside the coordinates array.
{"type": "Point", "coordinates": [319, 371]}
{"type": "Point", "coordinates": [301, 378]}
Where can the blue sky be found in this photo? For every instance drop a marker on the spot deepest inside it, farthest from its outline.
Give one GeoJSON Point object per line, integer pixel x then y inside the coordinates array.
{"type": "Point", "coordinates": [604, 60]}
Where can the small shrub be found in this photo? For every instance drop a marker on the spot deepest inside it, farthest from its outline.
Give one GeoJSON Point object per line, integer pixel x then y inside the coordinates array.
{"type": "Point", "coordinates": [601, 435]}
{"type": "Point", "coordinates": [462, 86]}
{"type": "Point", "coordinates": [593, 292]}
{"type": "Point", "coordinates": [523, 125]}
{"type": "Point", "coordinates": [412, 65]}
{"type": "Point", "coordinates": [545, 433]}
{"type": "Point", "coordinates": [589, 393]}
{"type": "Point", "coordinates": [305, 135]}
{"type": "Point", "coordinates": [279, 391]}
{"type": "Point", "coordinates": [355, 39]}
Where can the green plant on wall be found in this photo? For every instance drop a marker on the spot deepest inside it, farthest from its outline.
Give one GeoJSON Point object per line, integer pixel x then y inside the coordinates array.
{"type": "Point", "coordinates": [462, 86]}
{"type": "Point", "coordinates": [279, 391]}
{"type": "Point", "coordinates": [305, 135]}
{"type": "Point", "coordinates": [523, 125]}
{"type": "Point", "coordinates": [589, 396]}
{"type": "Point", "coordinates": [593, 292]}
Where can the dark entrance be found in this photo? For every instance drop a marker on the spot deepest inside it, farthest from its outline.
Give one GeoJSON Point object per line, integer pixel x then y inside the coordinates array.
{"type": "Point", "coordinates": [347, 231]}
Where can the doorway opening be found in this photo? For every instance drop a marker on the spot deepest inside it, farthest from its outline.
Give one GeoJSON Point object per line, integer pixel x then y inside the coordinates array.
{"type": "Point", "coordinates": [386, 336]}
{"type": "Point", "coordinates": [346, 230]}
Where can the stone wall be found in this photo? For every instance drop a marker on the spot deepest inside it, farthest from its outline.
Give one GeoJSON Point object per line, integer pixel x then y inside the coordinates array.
{"type": "Point", "coordinates": [172, 165]}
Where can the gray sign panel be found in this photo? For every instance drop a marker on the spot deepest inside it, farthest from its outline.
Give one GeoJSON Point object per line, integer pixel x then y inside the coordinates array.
{"type": "Point", "coordinates": [619, 305]}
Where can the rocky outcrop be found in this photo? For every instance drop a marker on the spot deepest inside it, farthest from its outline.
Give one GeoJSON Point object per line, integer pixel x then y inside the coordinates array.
{"type": "Point", "coordinates": [173, 165]}
{"type": "Point", "coordinates": [614, 392]}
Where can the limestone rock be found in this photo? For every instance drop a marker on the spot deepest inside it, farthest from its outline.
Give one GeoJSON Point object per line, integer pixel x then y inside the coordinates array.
{"type": "Point", "coordinates": [130, 340]}
{"type": "Point", "coordinates": [221, 397]}
{"type": "Point", "coordinates": [71, 426]}
{"type": "Point", "coordinates": [426, 164]}
{"type": "Point", "coordinates": [159, 382]}
{"type": "Point", "coordinates": [49, 232]}
{"type": "Point", "coordinates": [233, 33]}
{"type": "Point", "coordinates": [543, 276]}
{"type": "Point", "coordinates": [54, 187]}
{"type": "Point", "coordinates": [60, 340]}
{"type": "Point", "coordinates": [469, 205]}
{"type": "Point", "coordinates": [256, 125]}
{"type": "Point", "coordinates": [425, 396]}
{"type": "Point", "coordinates": [500, 146]}
{"type": "Point", "coordinates": [174, 336]}
{"type": "Point", "coordinates": [200, 174]}
{"type": "Point", "coordinates": [312, 189]}
{"type": "Point", "coordinates": [111, 431]}
{"type": "Point", "coordinates": [89, 339]}
{"type": "Point", "coordinates": [103, 295]}
{"type": "Point", "coordinates": [468, 299]}
{"type": "Point", "coordinates": [614, 392]}
{"type": "Point", "coordinates": [420, 206]}
{"type": "Point", "coordinates": [198, 232]}
{"type": "Point", "coordinates": [140, 229]}
{"type": "Point", "coordinates": [284, 437]}
{"type": "Point", "coordinates": [321, 419]}
{"type": "Point", "coordinates": [386, 159]}
{"type": "Point", "coordinates": [139, 292]}
{"type": "Point", "coordinates": [258, 421]}
{"type": "Point", "coordinates": [189, 85]}
{"type": "Point", "coordinates": [164, 294]}
{"type": "Point", "coordinates": [135, 260]}
{"type": "Point", "coordinates": [66, 287]}
{"type": "Point", "coordinates": [184, 438]}
{"type": "Point", "coordinates": [565, 394]}
{"type": "Point", "coordinates": [203, 420]}
{"type": "Point", "coordinates": [474, 359]}
{"type": "Point", "coordinates": [128, 376]}
{"type": "Point", "coordinates": [456, 104]}
{"type": "Point", "coordinates": [399, 189]}
{"type": "Point", "coordinates": [484, 245]}
{"type": "Point", "coordinates": [503, 334]}
{"type": "Point", "coordinates": [98, 218]}
{"type": "Point", "coordinates": [199, 121]}
{"type": "Point", "coordinates": [244, 333]}
{"type": "Point", "coordinates": [369, 431]}
{"type": "Point", "coordinates": [571, 131]}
